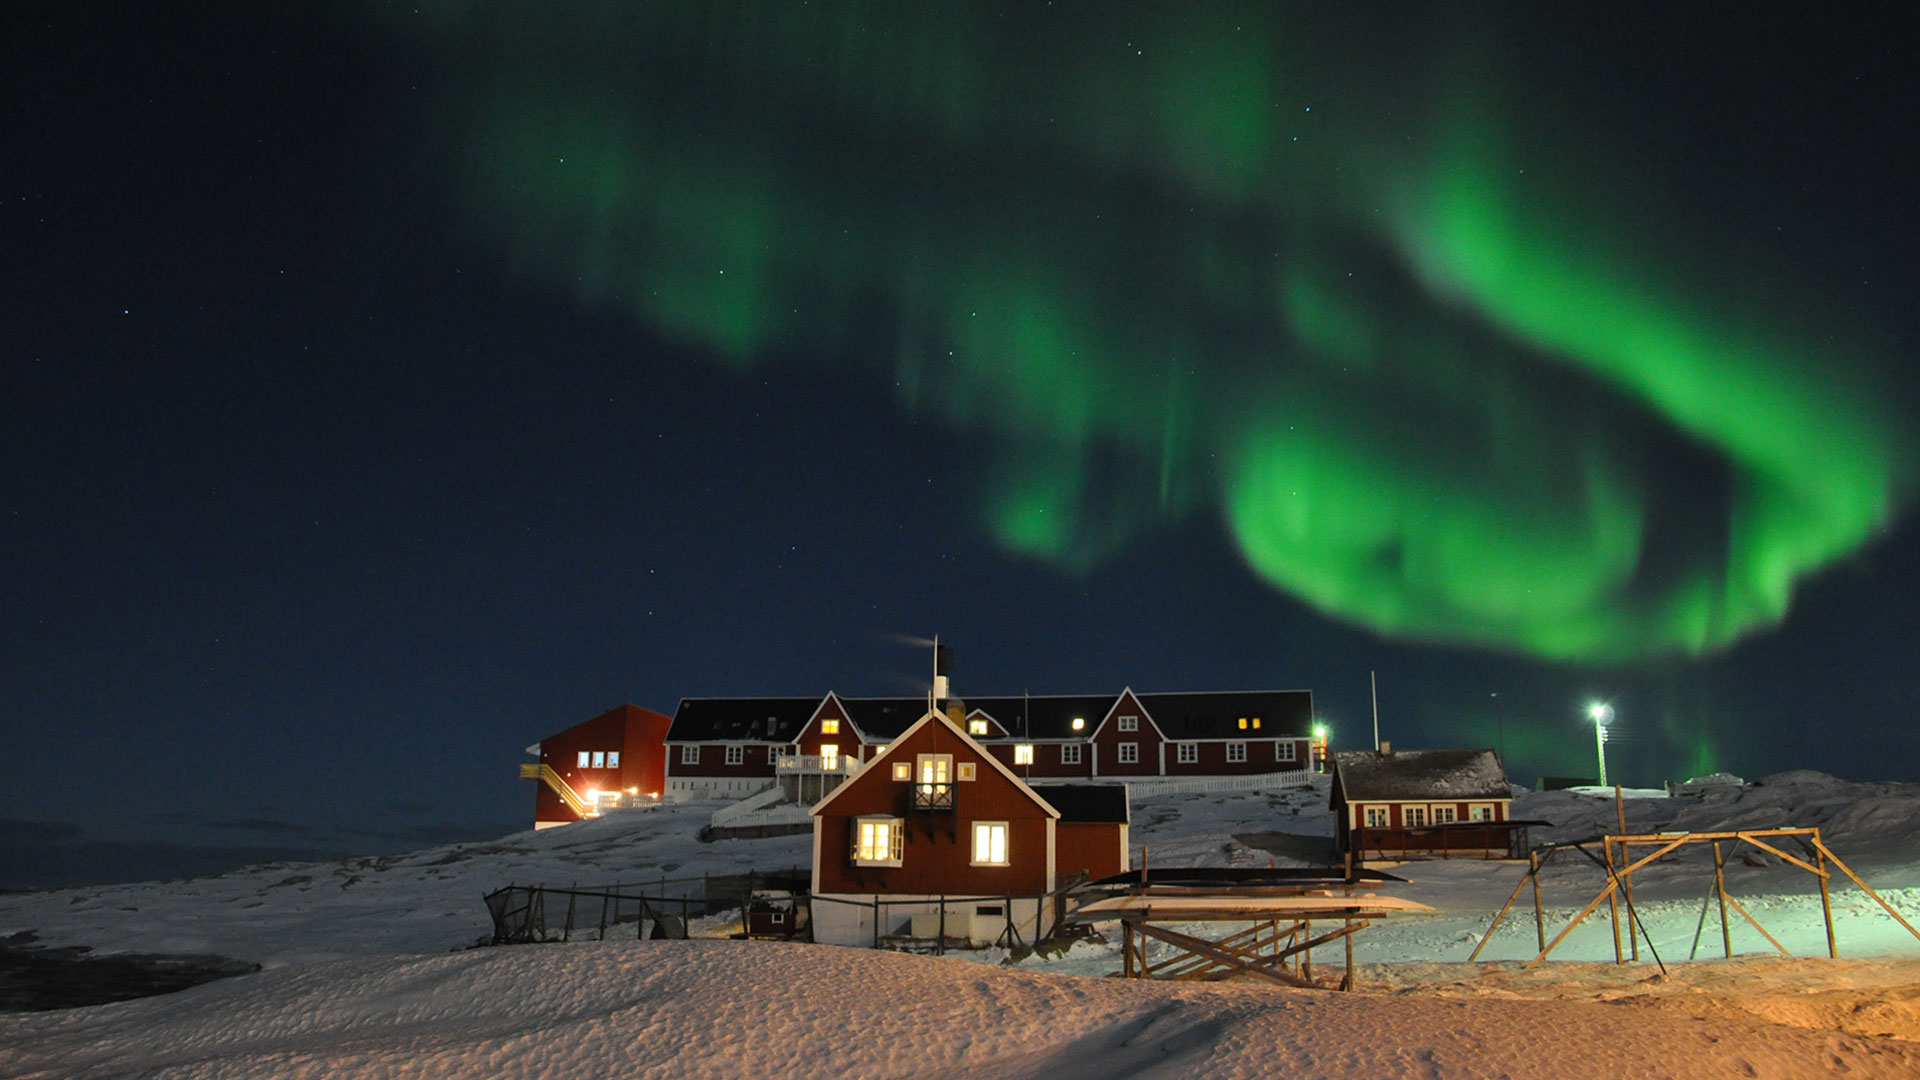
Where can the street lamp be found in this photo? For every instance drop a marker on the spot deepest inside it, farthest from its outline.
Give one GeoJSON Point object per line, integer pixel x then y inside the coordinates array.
{"type": "Point", "coordinates": [1602, 714]}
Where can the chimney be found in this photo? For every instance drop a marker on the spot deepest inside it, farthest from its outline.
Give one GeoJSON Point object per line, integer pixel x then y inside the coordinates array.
{"type": "Point", "coordinates": [1386, 748]}
{"type": "Point", "coordinates": [942, 657]}
{"type": "Point", "coordinates": [957, 712]}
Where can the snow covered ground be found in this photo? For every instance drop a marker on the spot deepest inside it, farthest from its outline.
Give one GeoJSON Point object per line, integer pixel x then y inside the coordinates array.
{"type": "Point", "coordinates": [366, 971]}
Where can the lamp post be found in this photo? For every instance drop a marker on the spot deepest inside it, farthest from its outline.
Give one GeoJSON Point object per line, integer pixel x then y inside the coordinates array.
{"type": "Point", "coordinates": [1602, 714]}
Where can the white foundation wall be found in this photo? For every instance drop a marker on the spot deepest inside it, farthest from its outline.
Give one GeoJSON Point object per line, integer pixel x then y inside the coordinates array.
{"type": "Point", "coordinates": [849, 919]}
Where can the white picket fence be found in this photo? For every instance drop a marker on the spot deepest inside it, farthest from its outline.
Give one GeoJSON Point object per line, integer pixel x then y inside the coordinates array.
{"type": "Point", "coordinates": [1273, 781]}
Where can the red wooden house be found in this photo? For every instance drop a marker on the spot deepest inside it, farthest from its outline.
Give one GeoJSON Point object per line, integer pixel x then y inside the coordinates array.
{"type": "Point", "coordinates": [936, 836]}
{"type": "Point", "coordinates": [1391, 804]}
{"type": "Point", "coordinates": [614, 759]}
{"type": "Point", "coordinates": [731, 747]}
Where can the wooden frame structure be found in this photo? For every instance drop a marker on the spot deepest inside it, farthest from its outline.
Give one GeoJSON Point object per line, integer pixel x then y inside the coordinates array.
{"type": "Point", "coordinates": [1619, 888]}
{"type": "Point", "coordinates": [1281, 906]}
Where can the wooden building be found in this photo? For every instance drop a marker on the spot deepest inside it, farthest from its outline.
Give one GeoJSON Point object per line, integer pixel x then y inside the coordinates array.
{"type": "Point", "coordinates": [936, 837]}
{"type": "Point", "coordinates": [1390, 804]}
{"type": "Point", "coordinates": [732, 747]}
{"type": "Point", "coordinates": [614, 759]}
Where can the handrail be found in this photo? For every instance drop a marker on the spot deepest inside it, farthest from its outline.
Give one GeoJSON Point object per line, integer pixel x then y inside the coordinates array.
{"type": "Point", "coordinates": [544, 772]}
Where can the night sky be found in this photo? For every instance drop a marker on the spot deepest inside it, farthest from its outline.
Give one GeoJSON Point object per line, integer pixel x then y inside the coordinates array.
{"type": "Point", "coordinates": [390, 387]}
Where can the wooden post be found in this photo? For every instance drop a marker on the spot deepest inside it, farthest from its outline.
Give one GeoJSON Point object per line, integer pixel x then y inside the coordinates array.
{"type": "Point", "coordinates": [1613, 902]}
{"type": "Point", "coordinates": [1826, 906]}
{"type": "Point", "coordinates": [1306, 955]}
{"type": "Point", "coordinates": [1348, 985]}
{"type": "Point", "coordinates": [1720, 890]}
{"type": "Point", "coordinates": [1864, 887]}
{"type": "Point", "coordinates": [1539, 917]}
{"type": "Point", "coordinates": [746, 927]}
{"type": "Point", "coordinates": [941, 948]}
{"type": "Point", "coordinates": [1475, 954]}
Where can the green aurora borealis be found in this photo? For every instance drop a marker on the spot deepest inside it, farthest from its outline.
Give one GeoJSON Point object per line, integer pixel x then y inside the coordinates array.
{"type": "Point", "coordinates": [1447, 357]}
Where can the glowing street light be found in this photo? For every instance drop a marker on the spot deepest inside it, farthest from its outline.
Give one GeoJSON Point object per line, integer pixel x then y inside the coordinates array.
{"type": "Point", "coordinates": [1602, 714]}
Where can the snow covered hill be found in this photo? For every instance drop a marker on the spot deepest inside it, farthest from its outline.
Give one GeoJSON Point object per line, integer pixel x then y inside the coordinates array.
{"type": "Point", "coordinates": [367, 972]}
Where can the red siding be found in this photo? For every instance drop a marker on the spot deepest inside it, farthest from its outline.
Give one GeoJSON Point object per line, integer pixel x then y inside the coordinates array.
{"type": "Point", "coordinates": [713, 760]}
{"type": "Point", "coordinates": [635, 732]}
{"type": "Point", "coordinates": [938, 848]}
{"type": "Point", "coordinates": [1088, 847]}
{"type": "Point", "coordinates": [811, 736]}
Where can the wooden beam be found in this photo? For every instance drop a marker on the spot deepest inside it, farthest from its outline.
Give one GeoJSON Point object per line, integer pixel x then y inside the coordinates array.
{"type": "Point", "coordinates": [1845, 869]}
{"type": "Point", "coordinates": [1221, 956]}
{"type": "Point", "coordinates": [1748, 837]}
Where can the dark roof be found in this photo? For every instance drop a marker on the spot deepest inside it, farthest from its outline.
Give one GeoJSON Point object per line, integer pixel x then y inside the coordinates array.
{"type": "Point", "coordinates": [1217, 715]}
{"type": "Point", "coordinates": [1086, 802]}
{"type": "Point", "coordinates": [884, 719]}
{"type": "Point", "coordinates": [1418, 774]}
{"type": "Point", "coordinates": [1045, 716]}
{"type": "Point", "coordinates": [776, 720]}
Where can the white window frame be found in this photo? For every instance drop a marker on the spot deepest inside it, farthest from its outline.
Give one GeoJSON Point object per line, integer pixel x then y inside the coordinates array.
{"type": "Point", "coordinates": [1413, 817]}
{"type": "Point", "coordinates": [1128, 723]}
{"type": "Point", "coordinates": [736, 755]}
{"type": "Point", "coordinates": [1442, 813]}
{"type": "Point", "coordinates": [1186, 753]}
{"type": "Point", "coordinates": [1375, 817]}
{"type": "Point", "coordinates": [773, 755]}
{"type": "Point", "coordinates": [829, 727]}
{"type": "Point", "coordinates": [613, 759]}
{"type": "Point", "coordinates": [1129, 753]}
{"type": "Point", "coordinates": [1070, 754]}
{"type": "Point", "coordinates": [966, 770]}
{"type": "Point", "coordinates": [1236, 753]}
{"type": "Point", "coordinates": [829, 756]}
{"type": "Point", "coordinates": [989, 840]}
{"type": "Point", "coordinates": [902, 770]}
{"type": "Point", "coordinates": [1479, 811]}
{"type": "Point", "coordinates": [690, 754]}
{"type": "Point", "coordinates": [1283, 750]}
{"type": "Point", "coordinates": [878, 840]}
{"type": "Point", "coordinates": [580, 762]}
{"type": "Point", "coordinates": [1023, 754]}
{"type": "Point", "coordinates": [978, 727]}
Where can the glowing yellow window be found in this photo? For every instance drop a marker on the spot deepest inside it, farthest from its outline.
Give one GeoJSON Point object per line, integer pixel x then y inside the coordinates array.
{"type": "Point", "coordinates": [829, 727]}
{"type": "Point", "coordinates": [902, 771]}
{"type": "Point", "coordinates": [989, 843]}
{"type": "Point", "coordinates": [877, 841]}
{"type": "Point", "coordinates": [1023, 754]}
{"type": "Point", "coordinates": [1243, 723]}
{"type": "Point", "coordinates": [1079, 722]}
{"type": "Point", "coordinates": [829, 756]}
{"type": "Point", "coordinates": [1256, 723]}
{"type": "Point", "coordinates": [976, 727]}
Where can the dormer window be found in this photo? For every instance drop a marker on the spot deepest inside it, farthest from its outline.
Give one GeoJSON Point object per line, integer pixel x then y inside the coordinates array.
{"type": "Point", "coordinates": [829, 727]}
{"type": "Point", "coordinates": [1079, 723]}
{"type": "Point", "coordinates": [976, 726]}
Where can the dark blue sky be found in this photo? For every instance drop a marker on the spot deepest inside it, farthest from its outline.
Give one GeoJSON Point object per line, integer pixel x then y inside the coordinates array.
{"type": "Point", "coordinates": [317, 510]}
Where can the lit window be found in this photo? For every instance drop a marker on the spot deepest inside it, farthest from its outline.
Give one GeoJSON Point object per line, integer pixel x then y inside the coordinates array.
{"type": "Point", "coordinates": [989, 843]}
{"type": "Point", "coordinates": [1079, 722]}
{"type": "Point", "coordinates": [1376, 817]}
{"type": "Point", "coordinates": [1023, 754]}
{"type": "Point", "coordinates": [613, 759]}
{"type": "Point", "coordinates": [1283, 750]}
{"type": "Point", "coordinates": [1129, 753]}
{"type": "Point", "coordinates": [829, 727]}
{"type": "Point", "coordinates": [1236, 752]}
{"type": "Point", "coordinates": [1187, 753]}
{"type": "Point", "coordinates": [877, 841]}
{"type": "Point", "coordinates": [1414, 816]}
{"type": "Point", "coordinates": [1129, 723]}
{"type": "Point", "coordinates": [599, 759]}
{"type": "Point", "coordinates": [1243, 723]}
{"type": "Point", "coordinates": [902, 771]}
{"type": "Point", "coordinates": [976, 726]}
{"type": "Point", "coordinates": [829, 756]}
{"type": "Point", "coordinates": [689, 755]}
{"type": "Point", "coordinates": [1070, 755]}
{"type": "Point", "coordinates": [736, 755]}
{"type": "Point", "coordinates": [584, 758]}
{"type": "Point", "coordinates": [933, 789]}
{"type": "Point", "coordinates": [1256, 723]}
{"type": "Point", "coordinates": [1480, 812]}
{"type": "Point", "coordinates": [966, 770]}
{"type": "Point", "coordinates": [1442, 815]}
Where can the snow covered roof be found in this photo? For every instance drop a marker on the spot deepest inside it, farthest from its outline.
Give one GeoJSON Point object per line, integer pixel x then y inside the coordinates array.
{"type": "Point", "coordinates": [1418, 774]}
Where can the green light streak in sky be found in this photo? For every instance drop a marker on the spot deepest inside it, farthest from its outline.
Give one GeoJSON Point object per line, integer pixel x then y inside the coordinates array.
{"type": "Point", "coordinates": [1154, 262]}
